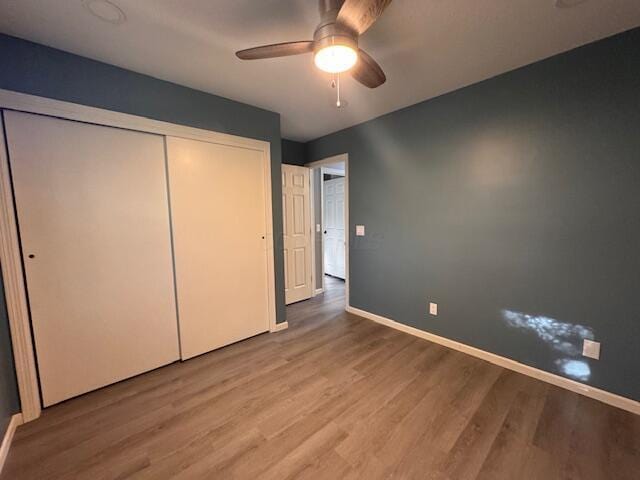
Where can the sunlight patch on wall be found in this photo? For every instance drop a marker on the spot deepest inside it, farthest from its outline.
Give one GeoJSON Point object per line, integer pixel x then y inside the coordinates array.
{"type": "Point", "coordinates": [576, 369]}
{"type": "Point", "coordinates": [563, 337]}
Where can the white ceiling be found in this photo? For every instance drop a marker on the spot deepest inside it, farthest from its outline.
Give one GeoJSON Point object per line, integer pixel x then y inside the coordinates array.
{"type": "Point", "coordinates": [426, 47]}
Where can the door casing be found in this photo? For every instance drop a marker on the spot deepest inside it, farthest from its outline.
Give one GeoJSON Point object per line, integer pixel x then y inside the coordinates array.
{"type": "Point", "coordinates": [325, 162]}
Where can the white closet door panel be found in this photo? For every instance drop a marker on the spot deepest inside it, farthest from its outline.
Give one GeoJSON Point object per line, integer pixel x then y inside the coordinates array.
{"type": "Point", "coordinates": [93, 211]}
{"type": "Point", "coordinates": [218, 215]}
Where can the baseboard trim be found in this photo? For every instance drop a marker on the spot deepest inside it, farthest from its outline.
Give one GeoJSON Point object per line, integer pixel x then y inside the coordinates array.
{"type": "Point", "coordinates": [577, 387]}
{"type": "Point", "coordinates": [280, 326]}
{"type": "Point", "coordinates": [318, 291]}
{"type": "Point", "coordinates": [15, 422]}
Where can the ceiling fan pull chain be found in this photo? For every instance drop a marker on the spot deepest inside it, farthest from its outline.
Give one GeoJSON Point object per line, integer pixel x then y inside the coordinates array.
{"type": "Point", "coordinates": [338, 103]}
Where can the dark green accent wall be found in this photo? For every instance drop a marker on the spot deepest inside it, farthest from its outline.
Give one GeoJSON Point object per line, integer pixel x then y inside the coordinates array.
{"type": "Point", "coordinates": [520, 193]}
{"type": "Point", "coordinates": [38, 70]}
{"type": "Point", "coordinates": [293, 153]}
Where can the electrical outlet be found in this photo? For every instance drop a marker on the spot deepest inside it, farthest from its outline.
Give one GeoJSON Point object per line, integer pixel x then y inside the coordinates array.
{"type": "Point", "coordinates": [591, 349]}
{"type": "Point", "coordinates": [433, 308]}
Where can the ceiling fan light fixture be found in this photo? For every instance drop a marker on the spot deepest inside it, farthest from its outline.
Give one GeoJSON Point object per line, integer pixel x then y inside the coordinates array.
{"type": "Point", "coordinates": [336, 58]}
{"type": "Point", "coordinates": [335, 41]}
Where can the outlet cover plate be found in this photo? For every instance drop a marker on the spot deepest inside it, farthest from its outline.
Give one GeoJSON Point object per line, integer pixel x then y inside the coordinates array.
{"type": "Point", "coordinates": [433, 308]}
{"type": "Point", "coordinates": [591, 349]}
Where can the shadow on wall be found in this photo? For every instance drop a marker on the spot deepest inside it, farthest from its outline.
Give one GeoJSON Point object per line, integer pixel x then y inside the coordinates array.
{"type": "Point", "coordinates": [565, 338]}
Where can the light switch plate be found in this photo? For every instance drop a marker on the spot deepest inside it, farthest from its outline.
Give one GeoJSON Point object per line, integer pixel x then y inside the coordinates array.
{"type": "Point", "coordinates": [318, 227]}
{"type": "Point", "coordinates": [360, 230]}
{"type": "Point", "coordinates": [433, 308]}
{"type": "Point", "coordinates": [591, 349]}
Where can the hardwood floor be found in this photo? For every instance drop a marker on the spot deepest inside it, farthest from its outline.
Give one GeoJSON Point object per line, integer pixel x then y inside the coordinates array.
{"type": "Point", "coordinates": [333, 397]}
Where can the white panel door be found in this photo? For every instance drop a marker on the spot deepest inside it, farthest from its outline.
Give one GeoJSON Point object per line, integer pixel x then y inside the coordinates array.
{"type": "Point", "coordinates": [94, 223]}
{"type": "Point", "coordinates": [297, 233]}
{"type": "Point", "coordinates": [219, 226]}
{"type": "Point", "coordinates": [334, 228]}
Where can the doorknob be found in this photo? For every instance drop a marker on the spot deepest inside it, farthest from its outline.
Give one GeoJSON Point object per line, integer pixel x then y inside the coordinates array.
{"type": "Point", "coordinates": [31, 255]}
{"type": "Point", "coordinates": [325, 232]}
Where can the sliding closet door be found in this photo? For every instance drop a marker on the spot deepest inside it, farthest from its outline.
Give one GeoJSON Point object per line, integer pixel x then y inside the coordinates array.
{"type": "Point", "coordinates": [94, 223]}
{"type": "Point", "coordinates": [218, 214]}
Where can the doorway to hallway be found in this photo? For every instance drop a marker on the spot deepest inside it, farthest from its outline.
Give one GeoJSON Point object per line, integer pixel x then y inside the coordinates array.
{"type": "Point", "coordinates": [316, 227]}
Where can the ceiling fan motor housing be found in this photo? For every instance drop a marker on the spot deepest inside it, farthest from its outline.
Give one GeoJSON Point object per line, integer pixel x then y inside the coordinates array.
{"type": "Point", "coordinates": [329, 31]}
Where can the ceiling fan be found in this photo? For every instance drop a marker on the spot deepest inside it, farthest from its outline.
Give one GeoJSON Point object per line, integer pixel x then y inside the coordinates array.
{"type": "Point", "coordinates": [335, 41]}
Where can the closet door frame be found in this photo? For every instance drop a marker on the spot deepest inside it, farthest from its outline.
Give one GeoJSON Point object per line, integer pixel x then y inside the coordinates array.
{"type": "Point", "coordinates": [10, 256]}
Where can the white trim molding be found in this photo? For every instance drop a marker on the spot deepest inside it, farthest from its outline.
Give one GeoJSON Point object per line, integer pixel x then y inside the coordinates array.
{"type": "Point", "coordinates": [14, 422]}
{"type": "Point", "coordinates": [562, 382]}
{"type": "Point", "coordinates": [15, 294]}
{"type": "Point", "coordinates": [318, 291]}
{"type": "Point", "coordinates": [10, 257]}
{"type": "Point", "coordinates": [279, 327]}
{"type": "Point", "coordinates": [312, 216]}
{"type": "Point", "coordinates": [342, 157]}
{"type": "Point", "coordinates": [333, 171]}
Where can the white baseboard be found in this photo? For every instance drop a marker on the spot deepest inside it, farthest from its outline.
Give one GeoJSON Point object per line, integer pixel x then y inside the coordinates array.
{"type": "Point", "coordinates": [577, 387]}
{"type": "Point", "coordinates": [14, 423]}
{"type": "Point", "coordinates": [318, 291]}
{"type": "Point", "coordinates": [280, 326]}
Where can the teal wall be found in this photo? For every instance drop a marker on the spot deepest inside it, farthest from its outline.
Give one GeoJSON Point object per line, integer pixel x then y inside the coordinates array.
{"type": "Point", "coordinates": [9, 399]}
{"type": "Point", "coordinates": [515, 205]}
{"type": "Point", "coordinates": [293, 153]}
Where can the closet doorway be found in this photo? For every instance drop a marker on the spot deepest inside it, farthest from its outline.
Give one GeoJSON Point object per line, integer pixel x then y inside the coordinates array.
{"type": "Point", "coordinates": [123, 252]}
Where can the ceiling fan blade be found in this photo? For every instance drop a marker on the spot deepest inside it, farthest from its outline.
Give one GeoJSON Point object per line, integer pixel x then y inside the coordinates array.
{"type": "Point", "coordinates": [367, 71]}
{"type": "Point", "coordinates": [359, 15]}
{"type": "Point", "coordinates": [276, 50]}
